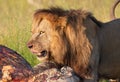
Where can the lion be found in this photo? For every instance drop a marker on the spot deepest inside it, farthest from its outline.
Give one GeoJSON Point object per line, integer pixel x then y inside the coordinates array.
{"type": "Point", "coordinates": [77, 39]}
{"type": "Point", "coordinates": [63, 36]}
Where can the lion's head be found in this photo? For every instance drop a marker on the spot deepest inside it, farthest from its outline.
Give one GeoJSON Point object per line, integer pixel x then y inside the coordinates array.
{"type": "Point", "coordinates": [65, 37]}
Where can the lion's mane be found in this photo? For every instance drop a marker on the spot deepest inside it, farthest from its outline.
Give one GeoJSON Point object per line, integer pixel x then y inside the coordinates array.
{"type": "Point", "coordinates": [77, 32]}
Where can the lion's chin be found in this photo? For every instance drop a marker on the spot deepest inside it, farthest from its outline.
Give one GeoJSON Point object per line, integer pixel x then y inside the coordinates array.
{"type": "Point", "coordinates": [42, 59]}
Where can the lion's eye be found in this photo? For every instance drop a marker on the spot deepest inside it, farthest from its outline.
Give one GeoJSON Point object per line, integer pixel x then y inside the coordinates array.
{"type": "Point", "coordinates": [41, 32]}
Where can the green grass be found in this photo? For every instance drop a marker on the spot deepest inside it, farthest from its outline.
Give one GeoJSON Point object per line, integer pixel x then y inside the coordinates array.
{"type": "Point", "coordinates": [16, 18]}
{"type": "Point", "coordinates": [15, 26]}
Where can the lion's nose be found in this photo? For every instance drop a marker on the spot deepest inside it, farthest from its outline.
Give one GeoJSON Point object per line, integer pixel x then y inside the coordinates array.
{"type": "Point", "coordinates": [30, 45]}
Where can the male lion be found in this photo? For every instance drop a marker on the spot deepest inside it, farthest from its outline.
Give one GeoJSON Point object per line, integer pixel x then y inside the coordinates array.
{"type": "Point", "coordinates": [67, 38]}
{"type": "Point", "coordinates": [75, 38]}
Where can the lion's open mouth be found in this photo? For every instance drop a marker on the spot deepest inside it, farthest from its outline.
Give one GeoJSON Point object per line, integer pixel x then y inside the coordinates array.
{"type": "Point", "coordinates": [42, 53]}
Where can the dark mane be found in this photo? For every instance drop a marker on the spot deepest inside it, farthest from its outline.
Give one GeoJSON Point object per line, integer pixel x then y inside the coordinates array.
{"type": "Point", "coordinates": [72, 15]}
{"type": "Point", "coordinates": [96, 21]}
{"type": "Point", "coordinates": [53, 10]}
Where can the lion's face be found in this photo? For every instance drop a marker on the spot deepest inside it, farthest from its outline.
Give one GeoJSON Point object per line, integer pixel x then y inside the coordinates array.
{"type": "Point", "coordinates": [46, 42]}
{"type": "Point", "coordinates": [39, 43]}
